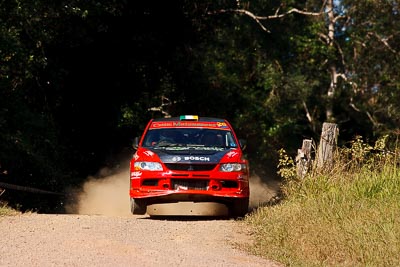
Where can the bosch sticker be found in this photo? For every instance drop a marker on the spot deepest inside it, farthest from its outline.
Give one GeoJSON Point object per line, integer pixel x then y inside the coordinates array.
{"type": "Point", "coordinates": [196, 158]}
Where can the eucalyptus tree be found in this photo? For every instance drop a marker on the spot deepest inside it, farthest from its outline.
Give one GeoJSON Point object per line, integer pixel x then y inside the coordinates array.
{"type": "Point", "coordinates": [371, 58]}
{"type": "Point", "coordinates": [344, 55]}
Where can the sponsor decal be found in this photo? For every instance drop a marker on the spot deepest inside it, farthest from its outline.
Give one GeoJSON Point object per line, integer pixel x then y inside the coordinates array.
{"type": "Point", "coordinates": [160, 124]}
{"type": "Point", "coordinates": [136, 156]}
{"type": "Point", "coordinates": [222, 124]}
{"type": "Point", "coordinates": [136, 174]}
{"type": "Point", "coordinates": [188, 124]}
{"type": "Point", "coordinates": [232, 154]}
{"type": "Point", "coordinates": [148, 153]}
{"type": "Point", "coordinates": [181, 187]}
{"type": "Point", "coordinates": [176, 158]}
{"type": "Point", "coordinates": [197, 158]}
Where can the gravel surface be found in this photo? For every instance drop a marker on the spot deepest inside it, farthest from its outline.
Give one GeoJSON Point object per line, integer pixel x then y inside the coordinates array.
{"type": "Point", "coordinates": [97, 240]}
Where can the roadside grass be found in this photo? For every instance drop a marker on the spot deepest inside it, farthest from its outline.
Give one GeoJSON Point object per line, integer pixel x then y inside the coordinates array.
{"type": "Point", "coordinates": [6, 210]}
{"type": "Point", "coordinates": [347, 216]}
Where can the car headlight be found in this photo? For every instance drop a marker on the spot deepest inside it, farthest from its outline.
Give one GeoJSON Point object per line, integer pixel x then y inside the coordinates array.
{"type": "Point", "coordinates": [232, 167]}
{"type": "Point", "coordinates": [147, 166]}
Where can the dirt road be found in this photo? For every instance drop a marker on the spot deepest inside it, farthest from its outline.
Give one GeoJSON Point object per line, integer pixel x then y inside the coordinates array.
{"type": "Point", "coordinates": [98, 240]}
{"type": "Point", "coordinates": [100, 231]}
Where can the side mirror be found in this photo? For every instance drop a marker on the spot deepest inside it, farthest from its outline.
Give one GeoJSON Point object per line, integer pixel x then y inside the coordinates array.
{"type": "Point", "coordinates": [135, 144]}
{"type": "Point", "coordinates": [242, 144]}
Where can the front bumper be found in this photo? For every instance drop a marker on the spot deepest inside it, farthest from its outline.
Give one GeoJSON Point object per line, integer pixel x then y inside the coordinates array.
{"type": "Point", "coordinates": [188, 187]}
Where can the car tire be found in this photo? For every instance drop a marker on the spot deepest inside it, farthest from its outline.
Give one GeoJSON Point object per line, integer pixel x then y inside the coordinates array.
{"type": "Point", "coordinates": [138, 206]}
{"type": "Point", "coordinates": [239, 207]}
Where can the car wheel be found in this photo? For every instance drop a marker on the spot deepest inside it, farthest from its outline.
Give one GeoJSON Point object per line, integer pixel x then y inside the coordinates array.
{"type": "Point", "coordinates": [138, 206]}
{"type": "Point", "coordinates": [239, 207]}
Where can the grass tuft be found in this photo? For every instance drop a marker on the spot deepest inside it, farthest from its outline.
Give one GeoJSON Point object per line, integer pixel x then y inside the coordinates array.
{"type": "Point", "coordinates": [5, 210]}
{"type": "Point", "coordinates": [349, 216]}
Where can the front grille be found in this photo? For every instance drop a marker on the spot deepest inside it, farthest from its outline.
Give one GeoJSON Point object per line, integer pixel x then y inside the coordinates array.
{"type": "Point", "coordinates": [190, 167]}
{"type": "Point", "coordinates": [150, 182]}
{"type": "Point", "coordinates": [178, 184]}
{"type": "Point", "coordinates": [230, 184]}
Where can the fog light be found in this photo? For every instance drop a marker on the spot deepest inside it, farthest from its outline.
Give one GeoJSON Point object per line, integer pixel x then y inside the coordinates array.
{"type": "Point", "coordinates": [215, 185]}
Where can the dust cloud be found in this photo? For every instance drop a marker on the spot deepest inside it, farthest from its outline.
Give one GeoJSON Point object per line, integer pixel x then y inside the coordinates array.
{"type": "Point", "coordinates": [261, 192]}
{"type": "Point", "coordinates": [108, 195]}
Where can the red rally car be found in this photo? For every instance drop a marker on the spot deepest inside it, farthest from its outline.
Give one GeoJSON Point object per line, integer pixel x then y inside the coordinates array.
{"type": "Point", "coordinates": [191, 165]}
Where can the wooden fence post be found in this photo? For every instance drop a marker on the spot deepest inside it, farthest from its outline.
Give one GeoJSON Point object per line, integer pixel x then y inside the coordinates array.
{"type": "Point", "coordinates": [303, 158]}
{"type": "Point", "coordinates": [328, 142]}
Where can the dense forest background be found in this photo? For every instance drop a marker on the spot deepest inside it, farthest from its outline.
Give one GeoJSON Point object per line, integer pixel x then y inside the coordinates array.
{"type": "Point", "coordinates": [80, 79]}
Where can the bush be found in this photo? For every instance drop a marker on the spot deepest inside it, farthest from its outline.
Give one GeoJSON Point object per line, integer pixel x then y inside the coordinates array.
{"type": "Point", "coordinates": [348, 215]}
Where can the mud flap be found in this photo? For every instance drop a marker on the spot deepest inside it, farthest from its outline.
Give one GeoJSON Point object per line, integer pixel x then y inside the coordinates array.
{"type": "Point", "coordinates": [187, 208]}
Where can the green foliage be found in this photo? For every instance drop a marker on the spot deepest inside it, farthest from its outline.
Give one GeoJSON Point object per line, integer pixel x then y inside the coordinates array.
{"type": "Point", "coordinates": [372, 60]}
{"type": "Point", "coordinates": [79, 79]}
{"type": "Point", "coordinates": [349, 217]}
{"type": "Point", "coordinates": [286, 166]}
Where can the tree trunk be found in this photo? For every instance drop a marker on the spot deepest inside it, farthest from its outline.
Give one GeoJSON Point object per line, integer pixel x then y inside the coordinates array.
{"type": "Point", "coordinates": [333, 72]}
{"type": "Point", "coordinates": [303, 158]}
{"type": "Point", "coordinates": [328, 142]}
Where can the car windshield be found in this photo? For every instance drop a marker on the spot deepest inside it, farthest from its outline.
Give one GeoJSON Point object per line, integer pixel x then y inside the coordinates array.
{"type": "Point", "coordinates": [195, 137]}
